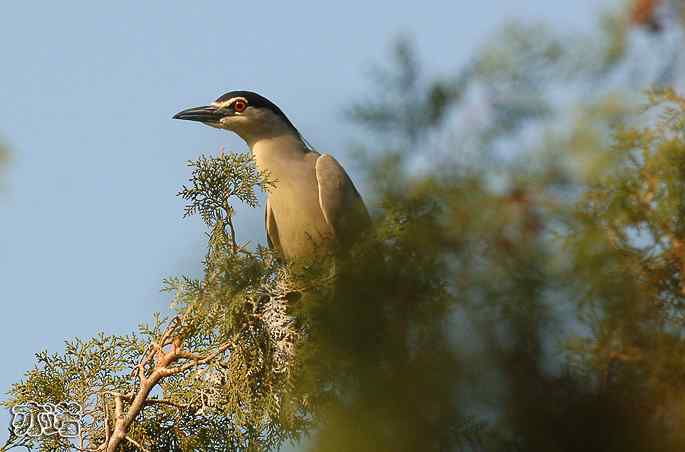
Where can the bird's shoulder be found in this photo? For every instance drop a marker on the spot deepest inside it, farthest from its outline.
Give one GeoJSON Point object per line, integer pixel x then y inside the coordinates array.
{"type": "Point", "coordinates": [327, 165]}
{"type": "Point", "coordinates": [339, 199]}
{"type": "Point", "coordinates": [331, 176]}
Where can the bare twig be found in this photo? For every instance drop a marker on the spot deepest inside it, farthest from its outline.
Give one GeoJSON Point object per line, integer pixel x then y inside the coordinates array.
{"type": "Point", "coordinates": [135, 443]}
{"type": "Point", "coordinates": [163, 369]}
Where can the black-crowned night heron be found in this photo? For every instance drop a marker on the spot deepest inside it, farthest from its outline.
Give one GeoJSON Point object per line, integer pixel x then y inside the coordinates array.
{"type": "Point", "coordinates": [314, 205]}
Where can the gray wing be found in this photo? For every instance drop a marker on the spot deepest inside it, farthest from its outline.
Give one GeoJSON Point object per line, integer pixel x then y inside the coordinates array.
{"type": "Point", "coordinates": [271, 229]}
{"type": "Point", "coordinates": [341, 204]}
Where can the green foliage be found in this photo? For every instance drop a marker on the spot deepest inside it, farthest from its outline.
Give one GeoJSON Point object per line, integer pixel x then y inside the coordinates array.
{"type": "Point", "coordinates": [565, 264]}
{"type": "Point", "coordinates": [627, 244]}
{"type": "Point", "coordinates": [405, 105]}
{"type": "Point", "coordinates": [216, 375]}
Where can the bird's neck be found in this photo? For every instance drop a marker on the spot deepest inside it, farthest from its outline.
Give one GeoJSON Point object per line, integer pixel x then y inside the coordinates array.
{"type": "Point", "coordinates": [271, 152]}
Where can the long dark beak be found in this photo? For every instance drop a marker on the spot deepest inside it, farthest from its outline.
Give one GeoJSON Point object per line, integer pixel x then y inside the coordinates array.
{"type": "Point", "coordinates": [206, 114]}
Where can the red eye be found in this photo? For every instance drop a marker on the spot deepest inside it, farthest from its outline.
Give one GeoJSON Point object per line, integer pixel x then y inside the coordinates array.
{"type": "Point", "coordinates": [239, 106]}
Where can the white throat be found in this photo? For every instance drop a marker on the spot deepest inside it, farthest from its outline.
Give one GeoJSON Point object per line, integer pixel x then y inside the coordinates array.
{"type": "Point", "coordinates": [272, 154]}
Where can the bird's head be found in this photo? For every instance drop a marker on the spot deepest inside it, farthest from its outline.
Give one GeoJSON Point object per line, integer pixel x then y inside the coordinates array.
{"type": "Point", "coordinates": [251, 116]}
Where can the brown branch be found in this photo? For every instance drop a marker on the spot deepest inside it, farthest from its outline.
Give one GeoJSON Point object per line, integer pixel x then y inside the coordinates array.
{"type": "Point", "coordinates": [196, 362]}
{"type": "Point", "coordinates": [234, 241]}
{"type": "Point", "coordinates": [104, 403]}
{"type": "Point", "coordinates": [135, 443]}
{"type": "Point", "coordinates": [162, 370]}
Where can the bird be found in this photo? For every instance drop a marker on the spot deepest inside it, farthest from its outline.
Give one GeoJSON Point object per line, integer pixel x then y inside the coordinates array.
{"type": "Point", "coordinates": [313, 208]}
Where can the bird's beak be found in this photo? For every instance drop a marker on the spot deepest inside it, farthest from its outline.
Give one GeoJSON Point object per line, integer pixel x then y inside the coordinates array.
{"type": "Point", "coordinates": [208, 114]}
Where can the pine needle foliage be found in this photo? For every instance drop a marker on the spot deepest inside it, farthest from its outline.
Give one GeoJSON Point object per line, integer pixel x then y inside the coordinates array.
{"type": "Point", "coordinates": [215, 374]}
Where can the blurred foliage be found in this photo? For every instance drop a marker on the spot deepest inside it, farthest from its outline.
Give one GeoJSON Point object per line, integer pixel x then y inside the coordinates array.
{"type": "Point", "coordinates": [521, 291]}
{"type": "Point", "coordinates": [4, 160]}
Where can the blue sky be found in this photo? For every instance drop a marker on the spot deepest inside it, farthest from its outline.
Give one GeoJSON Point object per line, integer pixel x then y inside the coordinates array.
{"type": "Point", "coordinates": [89, 220]}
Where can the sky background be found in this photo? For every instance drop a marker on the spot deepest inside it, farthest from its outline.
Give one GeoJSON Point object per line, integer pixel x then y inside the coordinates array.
{"type": "Point", "coordinates": [89, 220]}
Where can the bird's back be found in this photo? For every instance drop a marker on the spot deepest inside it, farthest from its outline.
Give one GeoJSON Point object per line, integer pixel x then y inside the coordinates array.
{"type": "Point", "coordinates": [313, 205]}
